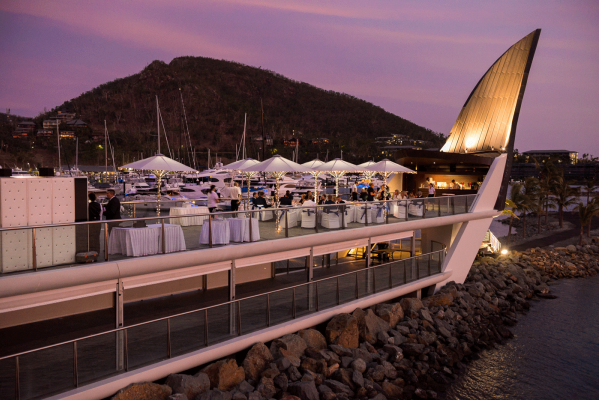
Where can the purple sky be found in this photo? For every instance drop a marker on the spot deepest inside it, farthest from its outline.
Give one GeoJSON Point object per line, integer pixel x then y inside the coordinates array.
{"type": "Point", "coordinates": [416, 59]}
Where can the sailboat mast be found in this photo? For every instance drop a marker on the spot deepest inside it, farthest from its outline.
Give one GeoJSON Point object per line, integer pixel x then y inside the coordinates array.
{"type": "Point", "coordinates": [58, 137]}
{"type": "Point", "coordinates": [244, 125]}
{"type": "Point", "coordinates": [105, 149]}
{"type": "Point", "coordinates": [158, 123]}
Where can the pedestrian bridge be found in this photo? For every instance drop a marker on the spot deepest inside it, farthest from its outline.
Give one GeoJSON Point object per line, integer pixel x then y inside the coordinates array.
{"type": "Point", "coordinates": [183, 307]}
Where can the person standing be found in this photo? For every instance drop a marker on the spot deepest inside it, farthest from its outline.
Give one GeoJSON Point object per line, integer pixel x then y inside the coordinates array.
{"type": "Point", "coordinates": [95, 214]}
{"type": "Point", "coordinates": [371, 192]}
{"type": "Point", "coordinates": [235, 197]}
{"type": "Point", "coordinates": [212, 199]}
{"type": "Point", "coordinates": [431, 190]}
{"type": "Point", "coordinates": [112, 209]}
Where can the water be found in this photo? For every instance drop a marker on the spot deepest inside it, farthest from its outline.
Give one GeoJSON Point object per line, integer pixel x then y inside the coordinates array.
{"type": "Point", "coordinates": [554, 355]}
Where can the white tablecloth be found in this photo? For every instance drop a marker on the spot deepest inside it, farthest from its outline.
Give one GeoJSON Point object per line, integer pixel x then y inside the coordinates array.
{"type": "Point", "coordinates": [220, 232]}
{"type": "Point", "coordinates": [197, 220]}
{"type": "Point", "coordinates": [240, 229]}
{"type": "Point", "coordinates": [135, 242]}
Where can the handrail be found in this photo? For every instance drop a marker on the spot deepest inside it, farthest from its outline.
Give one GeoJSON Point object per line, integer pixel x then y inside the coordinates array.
{"type": "Point", "coordinates": [219, 305]}
{"type": "Point", "coordinates": [423, 200]}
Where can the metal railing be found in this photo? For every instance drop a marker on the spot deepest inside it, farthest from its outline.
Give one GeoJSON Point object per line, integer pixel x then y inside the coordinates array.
{"type": "Point", "coordinates": [63, 366]}
{"type": "Point", "coordinates": [273, 223]}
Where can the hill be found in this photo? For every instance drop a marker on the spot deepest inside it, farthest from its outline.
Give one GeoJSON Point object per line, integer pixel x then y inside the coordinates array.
{"type": "Point", "coordinates": [217, 94]}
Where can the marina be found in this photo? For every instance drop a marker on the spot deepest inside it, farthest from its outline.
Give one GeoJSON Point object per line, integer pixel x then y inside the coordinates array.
{"type": "Point", "coordinates": [297, 201]}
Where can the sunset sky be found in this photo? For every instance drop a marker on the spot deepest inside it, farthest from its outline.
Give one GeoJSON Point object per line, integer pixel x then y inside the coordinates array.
{"type": "Point", "coordinates": [416, 59]}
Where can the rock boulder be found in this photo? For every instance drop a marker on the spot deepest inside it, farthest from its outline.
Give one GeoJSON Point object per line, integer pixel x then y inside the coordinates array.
{"type": "Point", "coordinates": [342, 330]}
{"type": "Point", "coordinates": [224, 374]}
{"type": "Point", "coordinates": [144, 391]}
{"type": "Point", "coordinates": [256, 361]}
{"type": "Point", "coordinates": [313, 338]}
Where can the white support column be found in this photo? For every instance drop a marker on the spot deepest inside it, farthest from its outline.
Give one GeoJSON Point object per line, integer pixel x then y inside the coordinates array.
{"type": "Point", "coordinates": [462, 252]}
{"type": "Point", "coordinates": [120, 337]}
{"type": "Point", "coordinates": [413, 253]}
{"type": "Point", "coordinates": [369, 273]}
{"type": "Point", "coordinates": [232, 281]}
{"type": "Point", "coordinates": [232, 306]}
{"type": "Point", "coordinates": [310, 269]}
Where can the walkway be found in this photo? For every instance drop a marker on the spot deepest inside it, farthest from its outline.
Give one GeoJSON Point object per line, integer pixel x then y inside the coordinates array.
{"type": "Point", "coordinates": [53, 370]}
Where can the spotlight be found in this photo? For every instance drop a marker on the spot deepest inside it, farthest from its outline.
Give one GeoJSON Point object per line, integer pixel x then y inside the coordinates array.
{"type": "Point", "coordinates": [504, 252]}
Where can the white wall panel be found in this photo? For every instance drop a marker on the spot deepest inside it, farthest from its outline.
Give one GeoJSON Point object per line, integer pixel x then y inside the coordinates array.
{"type": "Point", "coordinates": [39, 194]}
{"type": "Point", "coordinates": [16, 250]}
{"type": "Point", "coordinates": [44, 247]}
{"type": "Point", "coordinates": [63, 200]}
{"type": "Point", "coordinates": [13, 202]}
{"type": "Point", "coordinates": [63, 242]}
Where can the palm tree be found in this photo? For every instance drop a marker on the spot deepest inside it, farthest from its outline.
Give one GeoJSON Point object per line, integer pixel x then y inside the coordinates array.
{"type": "Point", "coordinates": [586, 213]}
{"type": "Point", "coordinates": [589, 185]}
{"type": "Point", "coordinates": [517, 201]}
{"type": "Point", "coordinates": [531, 194]}
{"type": "Point", "coordinates": [546, 184]}
{"type": "Point", "coordinates": [564, 195]}
{"type": "Point", "coordinates": [594, 204]}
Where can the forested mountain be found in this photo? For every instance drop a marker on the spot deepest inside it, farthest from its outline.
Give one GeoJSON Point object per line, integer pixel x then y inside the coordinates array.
{"type": "Point", "coordinates": [217, 94]}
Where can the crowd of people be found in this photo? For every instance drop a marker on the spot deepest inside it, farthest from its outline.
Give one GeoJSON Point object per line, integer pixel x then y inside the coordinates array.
{"type": "Point", "coordinates": [369, 193]}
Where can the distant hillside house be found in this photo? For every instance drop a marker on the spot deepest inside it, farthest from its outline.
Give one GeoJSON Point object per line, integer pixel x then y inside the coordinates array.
{"type": "Point", "coordinates": [50, 123]}
{"type": "Point", "coordinates": [384, 139]}
{"type": "Point", "coordinates": [44, 133]}
{"type": "Point", "coordinates": [267, 138]}
{"type": "Point", "coordinates": [67, 134]}
{"type": "Point", "coordinates": [291, 142]}
{"type": "Point", "coordinates": [77, 123]}
{"type": "Point", "coordinates": [565, 156]}
{"type": "Point", "coordinates": [20, 134]}
{"type": "Point", "coordinates": [320, 141]}
{"type": "Point", "coordinates": [97, 137]}
{"type": "Point", "coordinates": [388, 151]}
{"type": "Point", "coordinates": [65, 116]}
{"type": "Point", "coordinates": [26, 126]}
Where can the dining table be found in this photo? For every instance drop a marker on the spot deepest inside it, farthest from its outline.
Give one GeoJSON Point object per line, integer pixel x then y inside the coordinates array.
{"type": "Point", "coordinates": [192, 219]}
{"type": "Point", "coordinates": [136, 242]}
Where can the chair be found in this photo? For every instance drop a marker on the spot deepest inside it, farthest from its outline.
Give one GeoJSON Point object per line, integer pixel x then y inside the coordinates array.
{"type": "Point", "coordinates": [262, 215]}
{"type": "Point", "coordinates": [399, 209]}
{"type": "Point", "coordinates": [416, 208]}
{"type": "Point", "coordinates": [291, 218]}
{"type": "Point", "coordinates": [377, 213]}
{"type": "Point", "coordinates": [308, 218]}
{"type": "Point", "coordinates": [360, 215]}
{"type": "Point", "coordinates": [345, 215]}
{"type": "Point", "coordinates": [330, 219]}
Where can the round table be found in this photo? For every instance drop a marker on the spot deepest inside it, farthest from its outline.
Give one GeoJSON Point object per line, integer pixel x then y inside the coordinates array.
{"type": "Point", "coordinates": [240, 229]}
{"type": "Point", "coordinates": [187, 221]}
{"type": "Point", "coordinates": [220, 232]}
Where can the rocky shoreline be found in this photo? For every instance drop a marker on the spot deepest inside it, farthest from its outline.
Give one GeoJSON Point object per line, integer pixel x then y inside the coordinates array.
{"type": "Point", "coordinates": [411, 349]}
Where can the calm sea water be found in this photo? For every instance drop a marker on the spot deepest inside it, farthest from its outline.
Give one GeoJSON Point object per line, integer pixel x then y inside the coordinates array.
{"type": "Point", "coordinates": [554, 355]}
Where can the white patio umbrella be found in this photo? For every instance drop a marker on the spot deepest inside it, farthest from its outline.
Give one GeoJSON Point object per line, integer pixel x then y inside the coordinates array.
{"type": "Point", "coordinates": [311, 165]}
{"type": "Point", "coordinates": [160, 165]}
{"type": "Point", "coordinates": [368, 174]}
{"type": "Point", "coordinates": [387, 167]}
{"type": "Point", "coordinates": [337, 168]}
{"type": "Point", "coordinates": [277, 166]}
{"type": "Point", "coordinates": [240, 165]}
